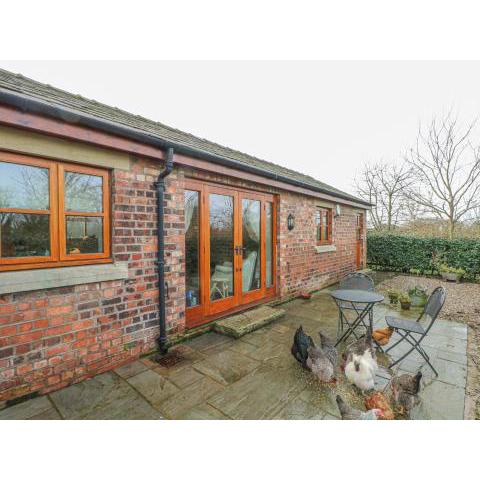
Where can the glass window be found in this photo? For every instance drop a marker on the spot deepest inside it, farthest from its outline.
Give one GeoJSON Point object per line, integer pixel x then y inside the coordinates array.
{"type": "Point", "coordinates": [48, 215]}
{"type": "Point", "coordinates": [269, 243]}
{"type": "Point", "coordinates": [83, 193]}
{"type": "Point", "coordinates": [323, 223]}
{"type": "Point", "coordinates": [221, 246]}
{"type": "Point", "coordinates": [251, 245]}
{"type": "Point", "coordinates": [23, 187]}
{"type": "Point", "coordinates": [24, 235]}
{"type": "Point", "coordinates": [84, 235]}
{"type": "Point", "coordinates": [192, 248]}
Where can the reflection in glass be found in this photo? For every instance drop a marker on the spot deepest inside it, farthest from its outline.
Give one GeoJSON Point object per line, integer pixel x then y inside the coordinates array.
{"type": "Point", "coordinates": [83, 193]}
{"type": "Point", "coordinates": [24, 235]}
{"type": "Point", "coordinates": [84, 235]}
{"type": "Point", "coordinates": [192, 248]}
{"type": "Point", "coordinates": [269, 243]}
{"type": "Point", "coordinates": [23, 186]}
{"type": "Point", "coordinates": [251, 245]}
{"type": "Point", "coordinates": [221, 246]}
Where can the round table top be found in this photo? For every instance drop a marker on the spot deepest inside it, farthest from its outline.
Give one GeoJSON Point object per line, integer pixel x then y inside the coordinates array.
{"type": "Point", "coordinates": [357, 296]}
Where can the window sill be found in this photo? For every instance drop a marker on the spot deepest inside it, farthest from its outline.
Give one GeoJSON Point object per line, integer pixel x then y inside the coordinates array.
{"type": "Point", "coordinates": [41, 279]}
{"type": "Point", "coordinates": [325, 248]}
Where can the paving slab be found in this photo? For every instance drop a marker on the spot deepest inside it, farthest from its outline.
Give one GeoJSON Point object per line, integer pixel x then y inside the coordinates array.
{"type": "Point", "coordinates": [297, 409]}
{"type": "Point", "coordinates": [26, 410]}
{"type": "Point", "coordinates": [258, 395]}
{"type": "Point", "coordinates": [153, 387]}
{"type": "Point", "coordinates": [226, 367]}
{"type": "Point", "coordinates": [191, 396]}
{"type": "Point", "coordinates": [130, 369]}
{"type": "Point", "coordinates": [238, 325]}
{"type": "Point", "coordinates": [206, 341]}
{"type": "Point", "coordinates": [182, 377]}
{"type": "Point", "coordinates": [203, 412]}
{"type": "Point", "coordinates": [104, 397]}
{"type": "Point", "coordinates": [50, 414]}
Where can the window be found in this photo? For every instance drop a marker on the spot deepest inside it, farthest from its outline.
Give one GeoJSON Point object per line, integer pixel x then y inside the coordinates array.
{"type": "Point", "coordinates": [323, 222]}
{"type": "Point", "coordinates": [52, 213]}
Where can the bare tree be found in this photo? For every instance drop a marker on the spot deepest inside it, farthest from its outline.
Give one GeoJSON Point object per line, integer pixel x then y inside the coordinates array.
{"type": "Point", "coordinates": [383, 185]}
{"type": "Point", "coordinates": [447, 171]}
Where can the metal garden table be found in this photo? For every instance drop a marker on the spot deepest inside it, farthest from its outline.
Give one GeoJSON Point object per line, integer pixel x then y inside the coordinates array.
{"type": "Point", "coordinates": [359, 301]}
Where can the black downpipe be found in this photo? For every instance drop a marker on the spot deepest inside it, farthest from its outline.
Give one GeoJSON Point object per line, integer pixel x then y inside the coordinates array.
{"type": "Point", "coordinates": [160, 186]}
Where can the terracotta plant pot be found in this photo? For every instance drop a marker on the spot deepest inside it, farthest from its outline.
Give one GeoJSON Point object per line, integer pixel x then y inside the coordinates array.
{"type": "Point", "coordinates": [405, 305]}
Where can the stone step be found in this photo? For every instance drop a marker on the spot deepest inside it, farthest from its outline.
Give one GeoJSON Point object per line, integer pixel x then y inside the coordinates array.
{"type": "Point", "coordinates": [242, 323]}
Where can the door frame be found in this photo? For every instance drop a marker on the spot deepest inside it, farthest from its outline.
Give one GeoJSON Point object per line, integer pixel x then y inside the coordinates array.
{"type": "Point", "coordinates": [207, 310]}
{"type": "Point", "coordinates": [359, 233]}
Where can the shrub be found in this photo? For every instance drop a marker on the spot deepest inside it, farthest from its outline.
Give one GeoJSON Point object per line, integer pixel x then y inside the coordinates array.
{"type": "Point", "coordinates": [403, 253]}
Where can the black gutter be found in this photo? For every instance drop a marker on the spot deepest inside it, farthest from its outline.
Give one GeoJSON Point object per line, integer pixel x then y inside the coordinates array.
{"type": "Point", "coordinates": [160, 186]}
{"type": "Point", "coordinates": [32, 105]}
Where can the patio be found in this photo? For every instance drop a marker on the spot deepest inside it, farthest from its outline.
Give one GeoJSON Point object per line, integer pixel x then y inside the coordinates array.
{"type": "Point", "coordinates": [255, 377]}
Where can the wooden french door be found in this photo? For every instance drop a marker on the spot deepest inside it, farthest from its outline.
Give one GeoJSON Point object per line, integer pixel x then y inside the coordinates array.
{"type": "Point", "coordinates": [230, 249]}
{"type": "Point", "coordinates": [359, 244]}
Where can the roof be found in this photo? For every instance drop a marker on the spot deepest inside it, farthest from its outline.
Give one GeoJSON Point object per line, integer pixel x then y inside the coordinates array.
{"type": "Point", "coordinates": [26, 87]}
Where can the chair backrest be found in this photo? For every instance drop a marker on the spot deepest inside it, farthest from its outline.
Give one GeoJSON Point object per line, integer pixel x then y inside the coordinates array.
{"type": "Point", "coordinates": [434, 305]}
{"type": "Point", "coordinates": [357, 281]}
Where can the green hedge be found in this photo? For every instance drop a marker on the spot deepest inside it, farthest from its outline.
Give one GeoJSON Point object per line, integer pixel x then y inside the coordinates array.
{"type": "Point", "coordinates": [404, 253]}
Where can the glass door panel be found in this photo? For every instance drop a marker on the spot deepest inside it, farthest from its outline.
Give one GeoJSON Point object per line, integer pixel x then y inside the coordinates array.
{"type": "Point", "coordinates": [251, 238]}
{"type": "Point", "coordinates": [222, 241]}
{"type": "Point", "coordinates": [269, 244]}
{"type": "Point", "coordinates": [192, 249]}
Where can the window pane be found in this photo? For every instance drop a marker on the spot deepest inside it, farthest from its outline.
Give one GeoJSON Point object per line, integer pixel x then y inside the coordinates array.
{"type": "Point", "coordinates": [83, 193]}
{"type": "Point", "coordinates": [84, 235]}
{"type": "Point", "coordinates": [269, 243]}
{"type": "Point", "coordinates": [192, 249]}
{"type": "Point", "coordinates": [24, 235]}
{"type": "Point", "coordinates": [250, 244]}
{"type": "Point", "coordinates": [324, 225]}
{"type": "Point", "coordinates": [221, 246]}
{"type": "Point", "coordinates": [23, 186]}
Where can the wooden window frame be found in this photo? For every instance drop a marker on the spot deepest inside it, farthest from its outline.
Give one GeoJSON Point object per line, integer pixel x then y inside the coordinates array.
{"type": "Point", "coordinates": [319, 225]}
{"type": "Point", "coordinates": [58, 255]}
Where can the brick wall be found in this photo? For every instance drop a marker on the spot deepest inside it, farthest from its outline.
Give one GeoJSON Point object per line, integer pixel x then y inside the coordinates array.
{"type": "Point", "coordinates": [302, 268]}
{"type": "Point", "coordinates": [52, 338]}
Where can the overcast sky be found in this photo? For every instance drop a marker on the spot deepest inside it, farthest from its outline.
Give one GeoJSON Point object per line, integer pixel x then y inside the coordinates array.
{"type": "Point", "coordinates": [321, 118]}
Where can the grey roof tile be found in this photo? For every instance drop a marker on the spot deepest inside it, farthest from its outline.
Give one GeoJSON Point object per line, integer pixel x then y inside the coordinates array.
{"type": "Point", "coordinates": [60, 98]}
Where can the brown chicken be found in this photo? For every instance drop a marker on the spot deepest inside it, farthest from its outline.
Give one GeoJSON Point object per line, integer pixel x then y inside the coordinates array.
{"type": "Point", "coordinates": [382, 335]}
{"type": "Point", "coordinates": [379, 400]}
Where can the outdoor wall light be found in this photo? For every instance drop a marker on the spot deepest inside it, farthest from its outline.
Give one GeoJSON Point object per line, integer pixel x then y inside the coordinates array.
{"type": "Point", "coordinates": [338, 210]}
{"type": "Point", "coordinates": [290, 222]}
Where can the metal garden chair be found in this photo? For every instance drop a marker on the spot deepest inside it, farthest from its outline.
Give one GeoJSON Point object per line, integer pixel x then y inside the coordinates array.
{"type": "Point", "coordinates": [408, 328]}
{"type": "Point", "coordinates": [354, 281]}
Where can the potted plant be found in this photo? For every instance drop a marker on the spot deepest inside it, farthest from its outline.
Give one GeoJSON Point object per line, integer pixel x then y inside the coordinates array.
{"type": "Point", "coordinates": [451, 274]}
{"type": "Point", "coordinates": [405, 301]}
{"type": "Point", "coordinates": [393, 295]}
{"type": "Point", "coordinates": [418, 296]}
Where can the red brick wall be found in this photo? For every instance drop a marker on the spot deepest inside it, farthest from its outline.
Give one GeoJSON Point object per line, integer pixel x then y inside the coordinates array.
{"type": "Point", "coordinates": [302, 268]}
{"type": "Point", "coordinates": [51, 338]}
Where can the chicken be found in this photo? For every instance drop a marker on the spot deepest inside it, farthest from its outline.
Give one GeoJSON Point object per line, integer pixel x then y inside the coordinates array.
{"type": "Point", "coordinates": [301, 342]}
{"type": "Point", "coordinates": [328, 346]}
{"type": "Point", "coordinates": [361, 362]}
{"type": "Point", "coordinates": [382, 335]}
{"type": "Point", "coordinates": [320, 365]}
{"type": "Point", "coordinates": [379, 400]}
{"type": "Point", "coordinates": [405, 389]}
{"type": "Point", "coordinates": [349, 413]}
